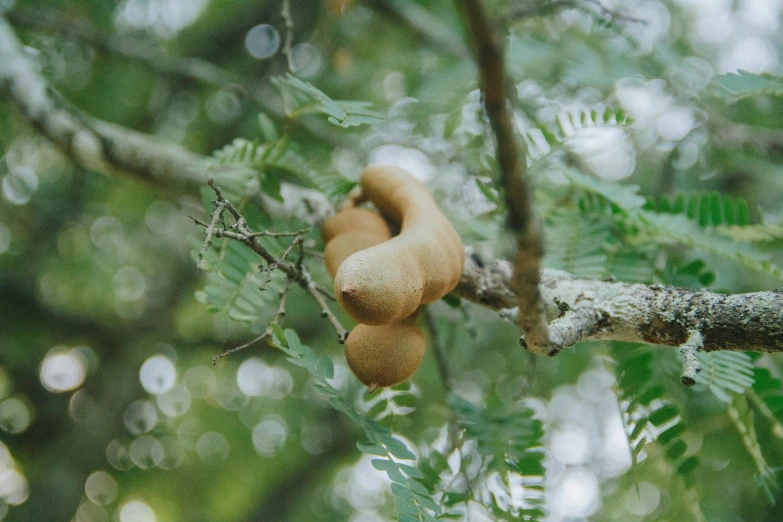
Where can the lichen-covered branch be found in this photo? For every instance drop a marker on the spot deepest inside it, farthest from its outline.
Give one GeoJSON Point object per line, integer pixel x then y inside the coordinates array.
{"type": "Point", "coordinates": [150, 56]}
{"type": "Point", "coordinates": [90, 142]}
{"type": "Point", "coordinates": [588, 310]}
{"type": "Point", "coordinates": [510, 157]}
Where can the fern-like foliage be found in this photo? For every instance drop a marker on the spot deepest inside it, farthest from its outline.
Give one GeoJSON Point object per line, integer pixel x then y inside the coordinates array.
{"type": "Point", "coordinates": [414, 502]}
{"type": "Point", "coordinates": [542, 141]}
{"type": "Point", "coordinates": [728, 216]}
{"type": "Point", "coordinates": [234, 283]}
{"type": "Point", "coordinates": [510, 438]}
{"type": "Point", "coordinates": [706, 208]}
{"type": "Point", "coordinates": [734, 87]}
{"type": "Point", "coordinates": [301, 97]}
{"type": "Point", "coordinates": [271, 160]}
{"type": "Point", "coordinates": [577, 244]}
{"type": "Point", "coordinates": [725, 373]}
{"type": "Point", "coordinates": [668, 227]}
{"type": "Point", "coordinates": [648, 417]}
{"type": "Point", "coordinates": [767, 397]}
{"type": "Point", "coordinates": [743, 418]}
{"type": "Point", "coordinates": [390, 402]}
{"type": "Point", "coordinates": [730, 376]}
{"type": "Point", "coordinates": [680, 229]}
{"type": "Point", "coordinates": [753, 99]}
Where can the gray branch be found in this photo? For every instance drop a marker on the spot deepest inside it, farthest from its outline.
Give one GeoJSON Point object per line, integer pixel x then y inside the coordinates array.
{"type": "Point", "coordinates": [90, 142]}
{"type": "Point", "coordinates": [589, 310]}
{"type": "Point", "coordinates": [148, 55]}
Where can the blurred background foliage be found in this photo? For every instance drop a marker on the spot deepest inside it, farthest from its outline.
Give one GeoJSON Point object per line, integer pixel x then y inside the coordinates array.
{"type": "Point", "coordinates": [654, 161]}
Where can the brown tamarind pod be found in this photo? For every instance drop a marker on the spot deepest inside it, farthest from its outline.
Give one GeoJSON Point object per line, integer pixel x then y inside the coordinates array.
{"type": "Point", "coordinates": [385, 355]}
{"type": "Point", "coordinates": [378, 355]}
{"type": "Point", "coordinates": [420, 265]}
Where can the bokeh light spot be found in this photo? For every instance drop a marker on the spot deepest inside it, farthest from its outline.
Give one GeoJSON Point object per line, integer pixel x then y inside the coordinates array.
{"type": "Point", "coordinates": [262, 41]}
{"type": "Point", "coordinates": [157, 374]}
{"type": "Point", "coordinates": [62, 371]}
{"type": "Point", "coordinates": [101, 488]}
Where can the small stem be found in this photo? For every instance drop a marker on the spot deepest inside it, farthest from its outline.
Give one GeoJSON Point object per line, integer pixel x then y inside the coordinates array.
{"type": "Point", "coordinates": [312, 289]}
{"type": "Point", "coordinates": [691, 365]}
{"type": "Point", "coordinates": [440, 355]}
{"type": "Point", "coordinates": [285, 12]}
{"type": "Point", "coordinates": [268, 233]}
{"type": "Point", "coordinates": [276, 320]}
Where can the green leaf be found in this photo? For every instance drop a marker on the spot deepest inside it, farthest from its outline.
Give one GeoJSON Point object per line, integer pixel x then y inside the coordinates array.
{"type": "Point", "coordinates": [688, 465]}
{"type": "Point", "coordinates": [407, 400]}
{"type": "Point", "coordinates": [452, 300]}
{"type": "Point", "coordinates": [371, 449]}
{"type": "Point", "coordinates": [400, 450]}
{"type": "Point", "coordinates": [733, 87]}
{"type": "Point", "coordinates": [676, 450]}
{"type": "Point", "coordinates": [664, 414]}
{"type": "Point", "coordinates": [402, 492]}
{"type": "Point", "coordinates": [671, 433]}
{"type": "Point", "coordinates": [267, 127]}
{"type": "Point", "coordinates": [377, 409]}
{"type": "Point", "coordinates": [302, 97]}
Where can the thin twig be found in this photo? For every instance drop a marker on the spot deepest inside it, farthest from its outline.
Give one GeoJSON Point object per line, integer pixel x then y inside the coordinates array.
{"type": "Point", "coordinates": [522, 12]}
{"type": "Point", "coordinates": [285, 12]}
{"type": "Point", "coordinates": [268, 233]}
{"type": "Point", "coordinates": [342, 333]}
{"type": "Point", "coordinates": [276, 320]}
{"type": "Point", "coordinates": [210, 230]}
{"type": "Point", "coordinates": [295, 272]}
{"type": "Point", "coordinates": [488, 52]}
{"type": "Point", "coordinates": [440, 355]}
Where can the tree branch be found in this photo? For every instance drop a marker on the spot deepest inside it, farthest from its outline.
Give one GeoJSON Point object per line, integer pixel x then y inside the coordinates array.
{"type": "Point", "coordinates": [148, 55]}
{"type": "Point", "coordinates": [589, 310]}
{"type": "Point", "coordinates": [510, 157]}
{"type": "Point", "coordinates": [91, 142]}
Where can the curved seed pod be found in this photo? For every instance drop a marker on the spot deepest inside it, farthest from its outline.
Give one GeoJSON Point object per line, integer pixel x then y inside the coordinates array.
{"type": "Point", "coordinates": [423, 263]}
{"type": "Point", "coordinates": [378, 355]}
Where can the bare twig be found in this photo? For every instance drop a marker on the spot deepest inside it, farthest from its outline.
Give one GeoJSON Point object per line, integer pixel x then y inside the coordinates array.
{"type": "Point", "coordinates": [295, 272]}
{"type": "Point", "coordinates": [268, 233]}
{"type": "Point", "coordinates": [440, 355]}
{"type": "Point", "coordinates": [285, 12]}
{"type": "Point", "coordinates": [510, 157]}
{"type": "Point", "coordinates": [317, 296]}
{"type": "Point", "coordinates": [531, 9]}
{"type": "Point", "coordinates": [276, 320]}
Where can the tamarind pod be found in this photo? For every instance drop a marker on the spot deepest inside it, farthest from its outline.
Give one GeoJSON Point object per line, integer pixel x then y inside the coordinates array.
{"type": "Point", "coordinates": [378, 355]}
{"type": "Point", "coordinates": [423, 263]}
{"type": "Point", "coordinates": [385, 355]}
